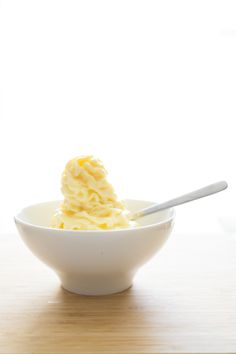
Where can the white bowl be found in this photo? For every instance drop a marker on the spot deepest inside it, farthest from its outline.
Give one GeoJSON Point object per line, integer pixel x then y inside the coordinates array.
{"type": "Point", "coordinates": [94, 262]}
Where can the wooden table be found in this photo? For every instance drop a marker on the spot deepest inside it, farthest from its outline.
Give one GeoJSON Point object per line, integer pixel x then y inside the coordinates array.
{"type": "Point", "coordinates": [183, 301]}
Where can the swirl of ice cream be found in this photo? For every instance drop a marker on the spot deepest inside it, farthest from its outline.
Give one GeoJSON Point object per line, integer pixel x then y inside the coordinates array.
{"type": "Point", "coordinates": [90, 202]}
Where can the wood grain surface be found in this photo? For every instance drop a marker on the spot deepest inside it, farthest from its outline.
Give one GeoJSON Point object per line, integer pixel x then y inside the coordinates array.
{"type": "Point", "coordinates": [183, 301]}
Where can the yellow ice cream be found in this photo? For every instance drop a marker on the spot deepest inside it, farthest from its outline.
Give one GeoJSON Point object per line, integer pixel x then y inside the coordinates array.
{"type": "Point", "coordinates": [90, 202]}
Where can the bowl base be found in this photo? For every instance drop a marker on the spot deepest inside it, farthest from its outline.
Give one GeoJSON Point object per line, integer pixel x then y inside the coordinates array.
{"type": "Point", "coordinates": [95, 285]}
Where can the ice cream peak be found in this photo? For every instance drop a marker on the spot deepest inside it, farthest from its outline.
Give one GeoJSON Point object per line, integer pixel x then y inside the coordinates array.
{"type": "Point", "coordinates": [90, 202]}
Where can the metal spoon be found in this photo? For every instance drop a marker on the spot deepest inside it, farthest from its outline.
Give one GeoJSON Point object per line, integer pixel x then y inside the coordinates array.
{"type": "Point", "coordinates": [199, 193]}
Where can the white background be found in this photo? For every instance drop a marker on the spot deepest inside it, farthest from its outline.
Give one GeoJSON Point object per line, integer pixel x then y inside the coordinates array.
{"type": "Point", "coordinates": [149, 87]}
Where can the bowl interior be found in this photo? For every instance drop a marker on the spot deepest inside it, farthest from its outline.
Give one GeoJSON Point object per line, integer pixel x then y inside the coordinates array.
{"type": "Point", "coordinates": [40, 214]}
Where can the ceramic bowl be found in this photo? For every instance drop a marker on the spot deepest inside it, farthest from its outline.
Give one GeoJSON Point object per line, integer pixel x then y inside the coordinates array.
{"type": "Point", "coordinates": [94, 262]}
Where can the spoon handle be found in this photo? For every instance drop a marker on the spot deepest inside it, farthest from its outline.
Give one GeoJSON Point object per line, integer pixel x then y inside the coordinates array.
{"type": "Point", "coordinates": [199, 193]}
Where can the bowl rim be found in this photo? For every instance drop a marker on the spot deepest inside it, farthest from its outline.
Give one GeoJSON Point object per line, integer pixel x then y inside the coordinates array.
{"type": "Point", "coordinates": [17, 219]}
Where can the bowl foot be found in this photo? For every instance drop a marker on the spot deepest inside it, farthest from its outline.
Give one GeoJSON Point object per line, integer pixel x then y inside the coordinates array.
{"type": "Point", "coordinates": [94, 285]}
